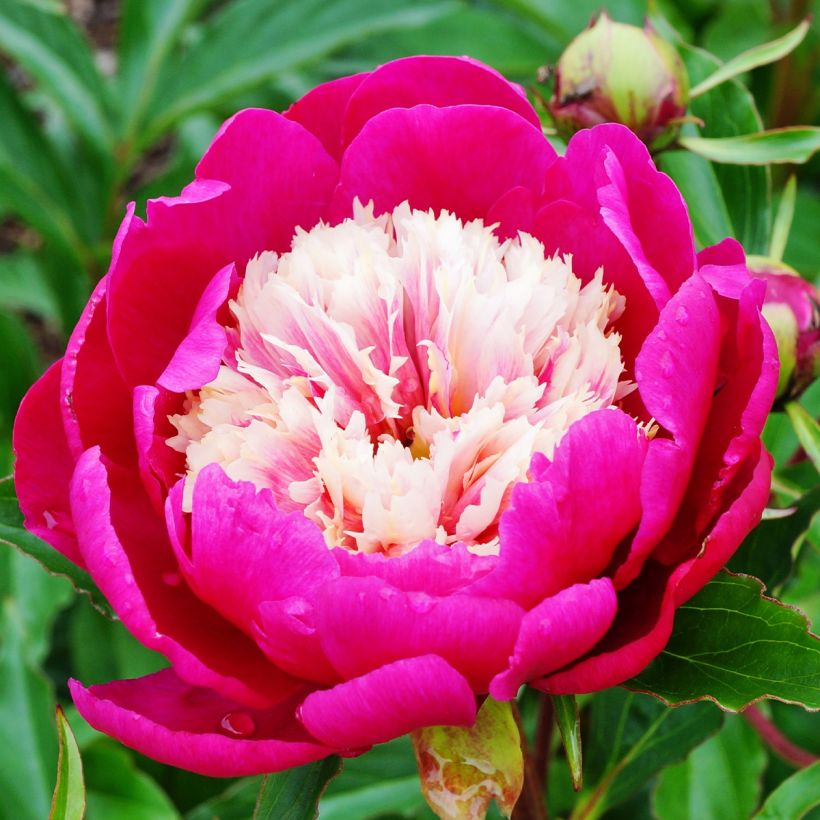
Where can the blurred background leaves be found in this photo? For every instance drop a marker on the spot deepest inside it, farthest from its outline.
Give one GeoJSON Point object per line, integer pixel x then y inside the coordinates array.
{"type": "Point", "coordinates": [106, 102]}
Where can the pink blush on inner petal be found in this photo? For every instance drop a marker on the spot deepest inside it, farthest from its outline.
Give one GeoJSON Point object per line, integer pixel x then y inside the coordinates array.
{"type": "Point", "coordinates": [393, 376]}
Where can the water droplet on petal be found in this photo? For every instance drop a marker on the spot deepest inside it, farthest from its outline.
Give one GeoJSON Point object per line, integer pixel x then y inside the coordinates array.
{"type": "Point", "coordinates": [238, 724]}
{"type": "Point", "coordinates": [173, 579]}
{"type": "Point", "coordinates": [667, 365]}
{"type": "Point", "coordinates": [51, 521]}
{"type": "Point", "coordinates": [682, 316]}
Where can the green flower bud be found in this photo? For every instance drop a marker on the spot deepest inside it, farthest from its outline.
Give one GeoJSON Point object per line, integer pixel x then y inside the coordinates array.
{"type": "Point", "coordinates": [613, 72]}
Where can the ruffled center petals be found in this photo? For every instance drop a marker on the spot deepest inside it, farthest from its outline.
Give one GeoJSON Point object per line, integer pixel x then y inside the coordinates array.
{"type": "Point", "coordinates": [392, 377]}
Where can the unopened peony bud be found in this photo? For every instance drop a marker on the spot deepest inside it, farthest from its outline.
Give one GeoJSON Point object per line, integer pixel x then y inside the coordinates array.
{"type": "Point", "coordinates": [613, 72]}
{"type": "Point", "coordinates": [792, 309]}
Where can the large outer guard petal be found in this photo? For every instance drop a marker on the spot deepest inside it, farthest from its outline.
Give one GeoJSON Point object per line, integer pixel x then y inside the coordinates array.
{"type": "Point", "coordinates": [464, 158]}
{"type": "Point", "coordinates": [389, 702]}
{"type": "Point", "coordinates": [126, 550]}
{"type": "Point", "coordinates": [646, 609]}
{"type": "Point", "coordinates": [44, 465]}
{"type": "Point", "coordinates": [262, 176]}
{"type": "Point", "coordinates": [171, 721]}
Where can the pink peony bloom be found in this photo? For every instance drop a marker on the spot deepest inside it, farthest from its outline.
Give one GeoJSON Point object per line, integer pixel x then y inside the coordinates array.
{"type": "Point", "coordinates": [393, 407]}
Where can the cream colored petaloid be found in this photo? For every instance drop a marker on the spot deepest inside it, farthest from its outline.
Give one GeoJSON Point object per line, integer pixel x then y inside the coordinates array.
{"type": "Point", "coordinates": [392, 376]}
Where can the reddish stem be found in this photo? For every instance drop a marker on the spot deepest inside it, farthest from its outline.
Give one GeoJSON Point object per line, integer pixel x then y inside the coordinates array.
{"type": "Point", "coordinates": [777, 741]}
{"type": "Point", "coordinates": [530, 805]}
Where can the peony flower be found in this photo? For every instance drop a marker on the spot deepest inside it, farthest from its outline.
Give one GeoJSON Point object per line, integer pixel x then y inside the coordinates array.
{"type": "Point", "coordinates": [393, 407]}
{"type": "Point", "coordinates": [792, 309]}
{"type": "Point", "coordinates": [614, 72]}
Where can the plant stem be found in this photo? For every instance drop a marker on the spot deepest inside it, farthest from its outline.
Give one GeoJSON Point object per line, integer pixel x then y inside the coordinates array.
{"type": "Point", "coordinates": [777, 741]}
{"type": "Point", "coordinates": [531, 804]}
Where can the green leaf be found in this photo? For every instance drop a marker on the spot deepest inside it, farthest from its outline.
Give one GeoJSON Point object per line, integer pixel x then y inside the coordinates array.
{"type": "Point", "coordinates": [267, 40]}
{"type": "Point", "coordinates": [631, 738]}
{"type": "Point", "coordinates": [24, 286]}
{"type": "Point", "coordinates": [32, 180]}
{"type": "Point", "coordinates": [19, 366]}
{"type": "Point", "coordinates": [759, 55]}
{"type": "Point", "coordinates": [53, 51]}
{"type": "Point", "coordinates": [569, 725]}
{"type": "Point", "coordinates": [31, 600]}
{"type": "Point", "coordinates": [734, 646]}
{"type": "Point", "coordinates": [116, 788]}
{"type": "Point", "coordinates": [796, 144]}
{"type": "Point", "coordinates": [783, 220]}
{"type": "Point", "coordinates": [295, 794]}
{"type": "Point", "coordinates": [68, 802]}
{"type": "Point", "coordinates": [235, 803]}
{"type": "Point", "coordinates": [795, 797]}
{"type": "Point", "coordinates": [768, 550]}
{"type": "Point", "coordinates": [104, 650]}
{"type": "Point", "coordinates": [727, 111]}
{"type": "Point", "coordinates": [697, 181]}
{"type": "Point", "coordinates": [149, 31]}
{"type": "Point", "coordinates": [720, 780]}
{"type": "Point", "coordinates": [384, 780]}
{"type": "Point", "coordinates": [807, 429]}
{"type": "Point", "coordinates": [13, 534]}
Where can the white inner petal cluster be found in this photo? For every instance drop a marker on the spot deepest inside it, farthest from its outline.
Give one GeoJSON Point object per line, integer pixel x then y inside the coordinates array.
{"type": "Point", "coordinates": [392, 376]}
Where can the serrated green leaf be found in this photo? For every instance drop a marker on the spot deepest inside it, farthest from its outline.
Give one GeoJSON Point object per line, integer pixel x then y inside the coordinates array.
{"type": "Point", "coordinates": [759, 55]}
{"type": "Point", "coordinates": [13, 534]}
{"type": "Point", "coordinates": [720, 780]}
{"type": "Point", "coordinates": [726, 111]}
{"type": "Point", "coordinates": [734, 646]}
{"type": "Point", "coordinates": [697, 181]}
{"type": "Point", "coordinates": [783, 220]}
{"type": "Point", "coordinates": [569, 725]}
{"type": "Point", "coordinates": [795, 797]}
{"type": "Point", "coordinates": [295, 794]}
{"type": "Point", "coordinates": [795, 144]}
{"type": "Point", "coordinates": [807, 430]}
{"type": "Point", "coordinates": [68, 802]}
{"type": "Point", "coordinates": [632, 737]}
{"type": "Point", "coordinates": [768, 550]}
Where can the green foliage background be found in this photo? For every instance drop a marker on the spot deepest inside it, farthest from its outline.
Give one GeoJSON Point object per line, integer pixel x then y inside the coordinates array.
{"type": "Point", "coordinates": [105, 102]}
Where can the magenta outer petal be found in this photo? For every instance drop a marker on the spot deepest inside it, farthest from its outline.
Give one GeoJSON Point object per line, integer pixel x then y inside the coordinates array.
{"type": "Point", "coordinates": [187, 726]}
{"type": "Point", "coordinates": [389, 702]}
{"type": "Point", "coordinates": [563, 527]}
{"type": "Point", "coordinates": [731, 440]}
{"type": "Point", "coordinates": [676, 372]}
{"type": "Point", "coordinates": [432, 80]}
{"type": "Point", "coordinates": [199, 355]}
{"type": "Point", "coordinates": [262, 176]}
{"type": "Point", "coordinates": [244, 550]}
{"type": "Point", "coordinates": [430, 567]}
{"type": "Point", "coordinates": [463, 159]}
{"type": "Point", "coordinates": [646, 609]}
{"type": "Point", "coordinates": [127, 552]}
{"type": "Point", "coordinates": [364, 623]}
{"type": "Point", "coordinates": [322, 111]}
{"type": "Point", "coordinates": [641, 205]}
{"type": "Point", "coordinates": [89, 372]}
{"type": "Point", "coordinates": [44, 465]}
{"type": "Point", "coordinates": [159, 465]}
{"type": "Point", "coordinates": [559, 630]}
